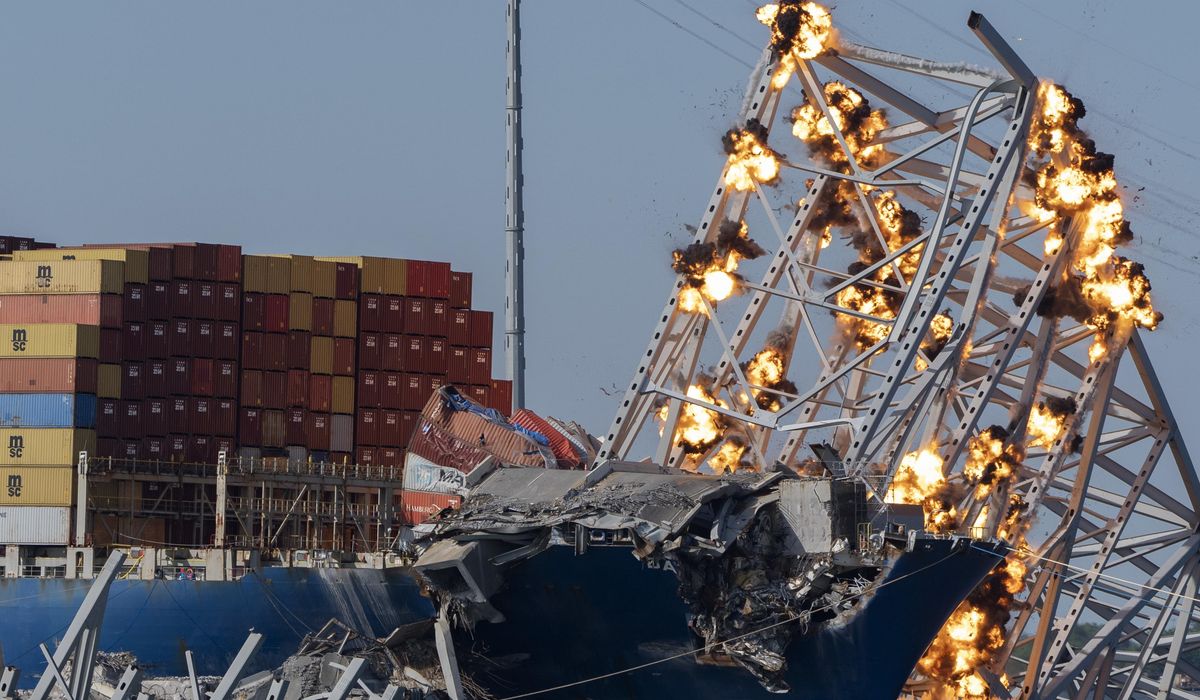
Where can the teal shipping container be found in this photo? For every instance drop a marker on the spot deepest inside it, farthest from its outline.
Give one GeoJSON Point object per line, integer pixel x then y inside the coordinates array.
{"type": "Point", "coordinates": [48, 410]}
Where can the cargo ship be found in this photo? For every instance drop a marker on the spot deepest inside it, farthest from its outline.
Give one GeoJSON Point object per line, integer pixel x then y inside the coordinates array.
{"type": "Point", "coordinates": [236, 423]}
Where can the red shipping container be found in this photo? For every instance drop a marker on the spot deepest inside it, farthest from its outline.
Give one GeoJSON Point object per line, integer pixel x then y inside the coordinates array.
{"type": "Point", "coordinates": [275, 386]}
{"type": "Point", "coordinates": [275, 348]}
{"type": "Point", "coordinates": [204, 338]}
{"type": "Point", "coordinates": [108, 421]}
{"type": "Point", "coordinates": [160, 261]}
{"type": "Point", "coordinates": [367, 394]}
{"type": "Point", "coordinates": [460, 290]}
{"type": "Point", "coordinates": [183, 261]}
{"type": "Point", "coordinates": [393, 352]}
{"type": "Point", "coordinates": [428, 279]}
{"type": "Point", "coordinates": [134, 340]}
{"type": "Point", "coordinates": [459, 331]}
{"type": "Point", "coordinates": [250, 427]}
{"type": "Point", "coordinates": [88, 309]}
{"type": "Point", "coordinates": [179, 376]}
{"type": "Point", "coordinates": [390, 456]}
{"type": "Point", "coordinates": [205, 263]}
{"type": "Point", "coordinates": [252, 388]}
{"type": "Point", "coordinates": [502, 396]}
{"type": "Point", "coordinates": [154, 417]}
{"type": "Point", "coordinates": [206, 300]}
{"type": "Point", "coordinates": [110, 345]}
{"type": "Point", "coordinates": [254, 311]}
{"type": "Point", "coordinates": [346, 280]}
{"type": "Point", "coordinates": [481, 395]}
{"type": "Point", "coordinates": [202, 377]}
{"type": "Point", "coordinates": [276, 313]}
{"type": "Point", "coordinates": [57, 375]}
{"type": "Point", "coordinates": [225, 417]}
{"type": "Point", "coordinates": [393, 314]}
{"type": "Point", "coordinates": [343, 356]}
{"type": "Point", "coordinates": [179, 415]}
{"type": "Point", "coordinates": [177, 448]}
{"type": "Point", "coordinates": [370, 351]}
{"type": "Point", "coordinates": [225, 444]}
{"type": "Point", "coordinates": [297, 390]}
{"type": "Point", "coordinates": [436, 382]}
{"type": "Point", "coordinates": [252, 350]}
{"type": "Point", "coordinates": [408, 423]}
{"type": "Point", "coordinates": [320, 393]}
{"type": "Point", "coordinates": [436, 356]}
{"type": "Point", "coordinates": [365, 455]}
{"type": "Point", "coordinates": [274, 428]}
{"type": "Point", "coordinates": [414, 353]}
{"type": "Point", "coordinates": [202, 416]}
{"type": "Point", "coordinates": [418, 506]}
{"type": "Point", "coordinates": [366, 432]}
{"type": "Point", "coordinates": [227, 338]}
{"type": "Point", "coordinates": [458, 365]}
{"type": "Point", "coordinates": [132, 386]}
{"type": "Point", "coordinates": [299, 350]}
{"type": "Point", "coordinates": [182, 299]}
{"type": "Point", "coordinates": [130, 449]}
{"type": "Point", "coordinates": [200, 449]}
{"type": "Point", "coordinates": [416, 316]}
{"type": "Point", "coordinates": [481, 367]}
{"type": "Point", "coordinates": [481, 329]}
{"type": "Point", "coordinates": [389, 428]}
{"type": "Point", "coordinates": [318, 431]}
{"type": "Point", "coordinates": [322, 317]}
{"type": "Point", "coordinates": [154, 448]}
{"type": "Point", "coordinates": [297, 422]}
{"type": "Point", "coordinates": [130, 419]}
{"type": "Point", "coordinates": [439, 318]}
{"type": "Point", "coordinates": [391, 394]}
{"type": "Point", "coordinates": [106, 447]}
{"type": "Point", "coordinates": [414, 391]}
{"type": "Point", "coordinates": [370, 313]}
{"type": "Point", "coordinates": [180, 340]}
{"type": "Point", "coordinates": [133, 303]}
{"type": "Point", "coordinates": [225, 379]}
{"type": "Point", "coordinates": [158, 343]}
{"type": "Point", "coordinates": [229, 301]}
{"type": "Point", "coordinates": [229, 263]}
{"type": "Point", "coordinates": [156, 378]}
{"type": "Point", "coordinates": [158, 301]}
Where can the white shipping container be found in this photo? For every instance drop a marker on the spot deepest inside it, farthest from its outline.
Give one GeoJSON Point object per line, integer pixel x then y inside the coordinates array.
{"type": "Point", "coordinates": [35, 524]}
{"type": "Point", "coordinates": [422, 475]}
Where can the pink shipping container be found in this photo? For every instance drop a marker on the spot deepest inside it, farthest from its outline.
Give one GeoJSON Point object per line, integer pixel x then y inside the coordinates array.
{"type": "Point", "coordinates": [460, 290]}
{"type": "Point", "coordinates": [417, 507]}
{"type": "Point", "coordinates": [55, 375]}
{"type": "Point", "coordinates": [86, 309]}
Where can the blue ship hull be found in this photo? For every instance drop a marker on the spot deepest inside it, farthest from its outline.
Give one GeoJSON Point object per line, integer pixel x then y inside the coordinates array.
{"type": "Point", "coordinates": [572, 617]}
{"type": "Point", "coordinates": [158, 620]}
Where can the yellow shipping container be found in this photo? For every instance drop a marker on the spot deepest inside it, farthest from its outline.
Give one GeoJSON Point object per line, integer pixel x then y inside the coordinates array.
{"type": "Point", "coordinates": [321, 360]}
{"type": "Point", "coordinates": [343, 395]}
{"type": "Point", "coordinates": [108, 381]}
{"type": "Point", "coordinates": [302, 273]}
{"type": "Point", "coordinates": [267, 274]}
{"type": "Point", "coordinates": [254, 273]}
{"type": "Point", "coordinates": [44, 446]}
{"type": "Point", "coordinates": [379, 275]}
{"type": "Point", "coordinates": [300, 307]}
{"type": "Point", "coordinates": [345, 318]}
{"type": "Point", "coordinates": [137, 262]}
{"type": "Point", "coordinates": [324, 279]}
{"type": "Point", "coordinates": [37, 486]}
{"type": "Point", "coordinates": [279, 275]}
{"type": "Point", "coordinates": [62, 277]}
{"type": "Point", "coordinates": [49, 340]}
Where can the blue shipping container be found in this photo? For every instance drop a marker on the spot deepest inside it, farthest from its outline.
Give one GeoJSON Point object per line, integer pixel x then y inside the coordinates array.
{"type": "Point", "coordinates": [48, 410]}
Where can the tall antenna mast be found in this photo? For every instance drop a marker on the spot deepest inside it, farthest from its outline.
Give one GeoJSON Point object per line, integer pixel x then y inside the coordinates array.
{"type": "Point", "coordinates": [514, 270]}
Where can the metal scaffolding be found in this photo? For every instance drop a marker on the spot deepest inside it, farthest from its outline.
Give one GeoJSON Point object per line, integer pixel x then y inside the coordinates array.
{"type": "Point", "coordinates": [1111, 545]}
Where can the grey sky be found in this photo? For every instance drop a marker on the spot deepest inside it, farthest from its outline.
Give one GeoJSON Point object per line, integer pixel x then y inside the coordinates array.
{"type": "Point", "coordinates": [378, 128]}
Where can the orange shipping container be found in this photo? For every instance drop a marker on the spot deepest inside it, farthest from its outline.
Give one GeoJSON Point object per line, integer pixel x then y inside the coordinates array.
{"type": "Point", "coordinates": [88, 309]}
{"type": "Point", "coordinates": [57, 375]}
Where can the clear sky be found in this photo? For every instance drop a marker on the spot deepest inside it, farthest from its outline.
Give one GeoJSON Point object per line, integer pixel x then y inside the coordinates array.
{"type": "Point", "coordinates": [378, 128]}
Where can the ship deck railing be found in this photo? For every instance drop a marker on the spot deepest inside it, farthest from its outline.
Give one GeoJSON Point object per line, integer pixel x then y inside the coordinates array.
{"type": "Point", "coordinates": [250, 468]}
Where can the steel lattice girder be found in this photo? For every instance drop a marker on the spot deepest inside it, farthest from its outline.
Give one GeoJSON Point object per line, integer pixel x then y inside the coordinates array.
{"type": "Point", "coordinates": [1112, 550]}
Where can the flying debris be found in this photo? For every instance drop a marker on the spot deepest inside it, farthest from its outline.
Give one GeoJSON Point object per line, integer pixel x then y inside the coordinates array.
{"type": "Point", "coordinates": [709, 268]}
{"type": "Point", "coordinates": [768, 370]}
{"type": "Point", "coordinates": [751, 160]}
{"type": "Point", "coordinates": [799, 31]}
{"type": "Point", "coordinates": [853, 120]}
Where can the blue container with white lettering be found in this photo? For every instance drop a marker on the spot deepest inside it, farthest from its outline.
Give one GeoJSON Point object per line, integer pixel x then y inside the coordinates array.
{"type": "Point", "coordinates": [47, 410]}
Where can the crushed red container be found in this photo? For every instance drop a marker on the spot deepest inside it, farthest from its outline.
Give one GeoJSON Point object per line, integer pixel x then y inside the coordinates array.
{"type": "Point", "coordinates": [320, 393]}
{"type": "Point", "coordinates": [346, 280]}
{"type": "Point", "coordinates": [322, 317]}
{"type": "Point", "coordinates": [367, 393]}
{"type": "Point", "coordinates": [416, 316]}
{"type": "Point", "coordinates": [418, 506]}
{"type": "Point", "coordinates": [252, 388]}
{"type": "Point", "coordinates": [181, 298]}
{"type": "Point", "coordinates": [275, 349]}
{"type": "Point", "coordinates": [459, 330]}
{"type": "Point", "coordinates": [275, 316]}
{"type": "Point", "coordinates": [206, 300]}
{"type": "Point", "coordinates": [179, 376]}
{"type": "Point", "coordinates": [393, 352]}
{"type": "Point", "coordinates": [225, 379]}
{"type": "Point", "coordinates": [318, 430]}
{"type": "Point", "coordinates": [370, 313]}
{"type": "Point", "coordinates": [228, 340]}
{"type": "Point", "coordinates": [132, 386]}
{"type": "Point", "coordinates": [156, 378]}
{"type": "Point", "coordinates": [275, 386]}
{"type": "Point", "coordinates": [460, 290]}
{"type": "Point", "coordinates": [158, 342]}
{"type": "Point", "coordinates": [254, 311]}
{"type": "Point", "coordinates": [366, 430]}
{"type": "Point", "coordinates": [370, 351]}
{"type": "Point", "coordinates": [179, 414]}
{"type": "Point", "coordinates": [414, 353]}
{"type": "Point", "coordinates": [299, 350]}
{"type": "Point", "coordinates": [202, 377]}
{"type": "Point", "coordinates": [481, 367]}
{"type": "Point", "coordinates": [559, 444]}
{"type": "Point", "coordinates": [154, 417]}
{"type": "Point", "coordinates": [297, 389]}
{"type": "Point", "coordinates": [204, 338]}
{"type": "Point", "coordinates": [481, 329]}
